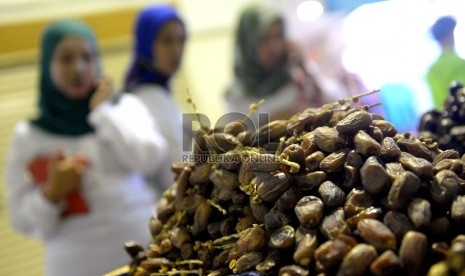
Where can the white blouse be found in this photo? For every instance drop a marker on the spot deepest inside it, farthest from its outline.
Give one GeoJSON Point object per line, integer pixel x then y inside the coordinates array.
{"type": "Point", "coordinates": [168, 116]}
{"type": "Point", "coordinates": [125, 145]}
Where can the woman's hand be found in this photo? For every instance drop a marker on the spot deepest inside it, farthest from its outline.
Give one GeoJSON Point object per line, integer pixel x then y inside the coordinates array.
{"type": "Point", "coordinates": [294, 52]}
{"type": "Point", "coordinates": [104, 91]}
{"type": "Point", "coordinates": [65, 175]}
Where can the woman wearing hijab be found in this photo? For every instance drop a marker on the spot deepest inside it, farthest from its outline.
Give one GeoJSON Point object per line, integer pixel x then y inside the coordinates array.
{"type": "Point", "coordinates": [159, 39]}
{"type": "Point", "coordinates": [267, 67]}
{"type": "Point", "coordinates": [75, 173]}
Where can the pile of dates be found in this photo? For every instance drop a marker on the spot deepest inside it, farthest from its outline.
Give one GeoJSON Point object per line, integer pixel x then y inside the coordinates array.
{"type": "Point", "coordinates": [447, 126]}
{"type": "Point", "coordinates": [333, 190]}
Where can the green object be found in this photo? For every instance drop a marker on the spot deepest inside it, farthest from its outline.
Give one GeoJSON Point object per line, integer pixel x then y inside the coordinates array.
{"type": "Point", "coordinates": [447, 68]}
{"type": "Point", "coordinates": [59, 114]}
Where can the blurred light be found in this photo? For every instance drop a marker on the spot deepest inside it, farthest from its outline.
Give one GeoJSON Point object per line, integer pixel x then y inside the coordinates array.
{"type": "Point", "coordinates": [309, 10]}
{"type": "Point", "coordinates": [395, 47]}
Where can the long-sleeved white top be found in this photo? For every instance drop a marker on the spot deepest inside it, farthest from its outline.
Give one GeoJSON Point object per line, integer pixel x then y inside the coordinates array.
{"type": "Point", "coordinates": [125, 146]}
{"type": "Point", "coordinates": [168, 116]}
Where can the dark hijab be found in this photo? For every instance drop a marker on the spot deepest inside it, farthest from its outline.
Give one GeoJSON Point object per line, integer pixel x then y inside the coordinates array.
{"type": "Point", "coordinates": [148, 24]}
{"type": "Point", "coordinates": [251, 79]}
{"type": "Point", "coordinates": [59, 114]}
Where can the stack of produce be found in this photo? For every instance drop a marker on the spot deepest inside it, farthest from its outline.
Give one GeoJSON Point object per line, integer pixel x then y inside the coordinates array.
{"type": "Point", "coordinates": [331, 191]}
{"type": "Point", "coordinates": [447, 126]}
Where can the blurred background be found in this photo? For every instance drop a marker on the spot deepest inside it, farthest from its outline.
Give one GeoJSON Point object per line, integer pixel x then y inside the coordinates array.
{"type": "Point", "coordinates": [378, 44]}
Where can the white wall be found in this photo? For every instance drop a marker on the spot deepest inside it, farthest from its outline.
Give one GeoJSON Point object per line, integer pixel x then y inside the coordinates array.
{"type": "Point", "coordinates": [24, 10]}
{"type": "Point", "coordinates": [208, 60]}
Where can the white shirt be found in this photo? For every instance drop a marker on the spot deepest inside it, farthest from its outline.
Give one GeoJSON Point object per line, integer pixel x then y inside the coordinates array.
{"type": "Point", "coordinates": [168, 116]}
{"type": "Point", "coordinates": [125, 145]}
